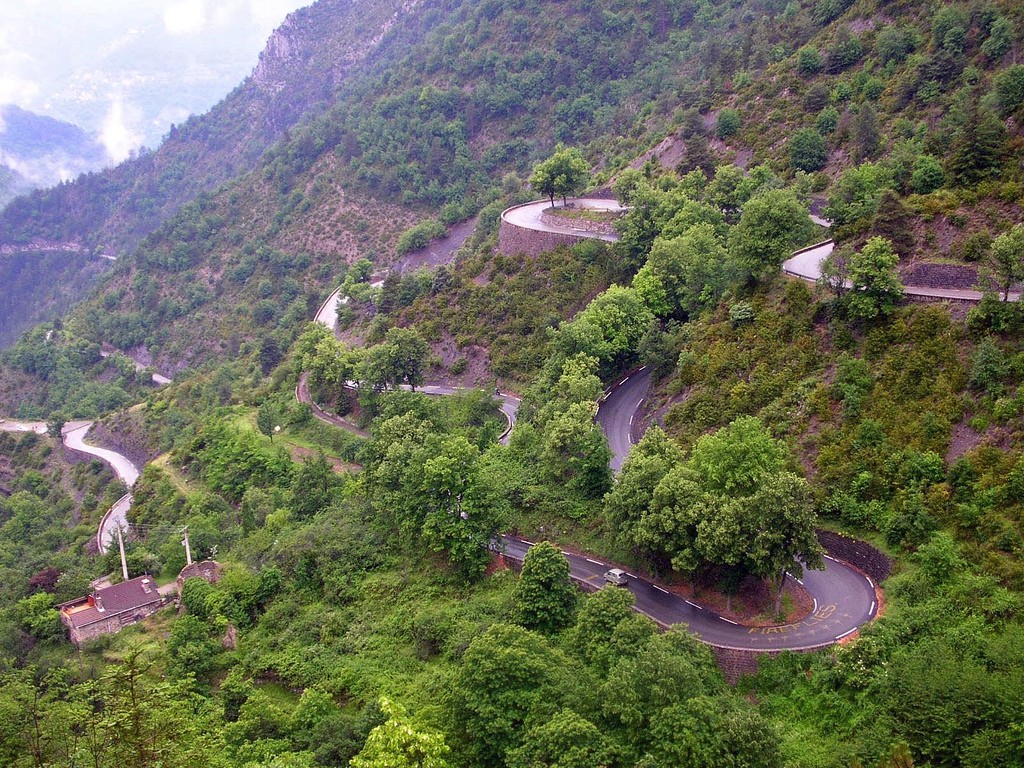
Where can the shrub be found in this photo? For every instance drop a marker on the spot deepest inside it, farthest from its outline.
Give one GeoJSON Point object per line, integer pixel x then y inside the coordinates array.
{"type": "Point", "coordinates": [827, 120]}
{"type": "Point", "coordinates": [928, 175]}
{"type": "Point", "coordinates": [728, 123]}
{"type": "Point", "coordinates": [807, 150]}
{"type": "Point", "coordinates": [419, 236]}
{"type": "Point", "coordinates": [895, 43]}
{"type": "Point", "coordinates": [1009, 89]}
{"type": "Point", "coordinates": [808, 60]}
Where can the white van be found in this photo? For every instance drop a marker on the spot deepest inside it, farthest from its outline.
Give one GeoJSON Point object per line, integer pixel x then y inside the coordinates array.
{"type": "Point", "coordinates": [616, 576]}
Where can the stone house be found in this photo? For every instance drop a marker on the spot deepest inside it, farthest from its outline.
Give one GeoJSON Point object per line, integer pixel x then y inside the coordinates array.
{"type": "Point", "coordinates": [107, 610]}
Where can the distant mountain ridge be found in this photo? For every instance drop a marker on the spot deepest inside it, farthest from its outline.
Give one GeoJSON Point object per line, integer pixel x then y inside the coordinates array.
{"type": "Point", "coordinates": [305, 59]}
{"type": "Point", "coordinates": [38, 151]}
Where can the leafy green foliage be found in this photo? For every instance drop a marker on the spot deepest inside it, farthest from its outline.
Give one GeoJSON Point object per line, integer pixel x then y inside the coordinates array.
{"type": "Point", "coordinates": [545, 597]}
{"type": "Point", "coordinates": [875, 284]}
{"type": "Point", "coordinates": [561, 175]}
{"type": "Point", "coordinates": [807, 150]}
{"type": "Point", "coordinates": [772, 225]}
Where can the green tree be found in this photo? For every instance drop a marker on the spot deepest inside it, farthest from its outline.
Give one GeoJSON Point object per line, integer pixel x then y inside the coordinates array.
{"type": "Point", "coordinates": [671, 668]}
{"type": "Point", "coordinates": [927, 176]}
{"type": "Point", "coordinates": [978, 148]}
{"type": "Point", "coordinates": [567, 740]}
{"type": "Point", "coordinates": [1006, 259]}
{"type": "Point", "coordinates": [807, 150]}
{"type": "Point", "coordinates": [736, 458]}
{"type": "Point", "coordinates": [808, 60]}
{"type": "Point", "coordinates": [608, 629]}
{"type": "Point", "coordinates": [609, 328]}
{"type": "Point", "coordinates": [1000, 39]}
{"type": "Point", "coordinates": [313, 486]}
{"type": "Point", "coordinates": [267, 419]}
{"type": "Point", "coordinates": [575, 451]}
{"type": "Point", "coordinates": [1009, 88]}
{"type": "Point", "coordinates": [772, 224]}
{"type": "Point", "coordinates": [895, 223]}
{"type": "Point", "coordinates": [875, 284]}
{"type": "Point", "coordinates": [561, 175]}
{"type": "Point", "coordinates": [693, 268]}
{"type": "Point", "coordinates": [648, 462]}
{"type": "Point", "coordinates": [399, 743]}
{"type": "Point", "coordinates": [460, 511]}
{"type": "Point", "coordinates": [714, 730]}
{"type": "Point", "coordinates": [55, 424]}
{"type": "Point", "coordinates": [545, 597]}
{"type": "Point", "coordinates": [400, 359]}
{"type": "Point", "coordinates": [866, 135]}
{"type": "Point", "coordinates": [509, 676]}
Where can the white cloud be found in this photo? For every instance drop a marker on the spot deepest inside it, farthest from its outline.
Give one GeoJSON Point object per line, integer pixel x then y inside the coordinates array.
{"type": "Point", "coordinates": [15, 87]}
{"type": "Point", "coordinates": [268, 14]}
{"type": "Point", "coordinates": [118, 136]}
{"type": "Point", "coordinates": [185, 17]}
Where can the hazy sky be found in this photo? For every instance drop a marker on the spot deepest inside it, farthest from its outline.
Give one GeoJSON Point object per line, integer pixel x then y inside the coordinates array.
{"type": "Point", "coordinates": [127, 69]}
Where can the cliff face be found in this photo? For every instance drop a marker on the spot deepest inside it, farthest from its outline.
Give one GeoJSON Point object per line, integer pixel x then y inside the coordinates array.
{"type": "Point", "coordinates": [305, 60]}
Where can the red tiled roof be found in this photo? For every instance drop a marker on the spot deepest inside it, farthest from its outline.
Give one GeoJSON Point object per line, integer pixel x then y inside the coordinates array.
{"type": "Point", "coordinates": [111, 601]}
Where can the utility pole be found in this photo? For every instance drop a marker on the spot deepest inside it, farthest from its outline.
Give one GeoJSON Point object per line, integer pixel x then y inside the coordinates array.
{"type": "Point", "coordinates": [188, 548]}
{"type": "Point", "coordinates": [120, 546]}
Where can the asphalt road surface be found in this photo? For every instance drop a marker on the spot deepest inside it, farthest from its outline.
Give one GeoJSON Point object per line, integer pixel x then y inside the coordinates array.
{"type": "Point", "coordinates": [617, 412]}
{"type": "Point", "coordinates": [844, 599]}
{"type": "Point", "coordinates": [528, 217]}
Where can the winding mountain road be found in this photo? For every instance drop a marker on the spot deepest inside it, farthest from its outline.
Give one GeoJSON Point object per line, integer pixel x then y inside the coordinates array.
{"type": "Point", "coordinates": [806, 264]}
{"type": "Point", "coordinates": [844, 598]}
{"type": "Point", "coordinates": [73, 436]}
{"type": "Point", "coordinates": [528, 216]}
{"type": "Point", "coordinates": [617, 413]}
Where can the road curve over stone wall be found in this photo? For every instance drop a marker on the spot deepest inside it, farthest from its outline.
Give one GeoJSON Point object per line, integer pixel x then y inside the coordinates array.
{"type": "Point", "coordinates": [525, 229]}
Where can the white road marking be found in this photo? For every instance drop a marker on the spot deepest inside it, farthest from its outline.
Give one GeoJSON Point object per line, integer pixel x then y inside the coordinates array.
{"type": "Point", "coordinates": [728, 620]}
{"type": "Point", "coordinates": [630, 575]}
{"type": "Point", "coordinates": [847, 632]}
{"type": "Point", "coordinates": [624, 381]}
{"type": "Point", "coordinates": [870, 582]}
{"type": "Point", "coordinates": [831, 558]}
{"type": "Point", "coordinates": [871, 610]}
{"type": "Point", "coordinates": [692, 605]}
{"type": "Point", "coordinates": [530, 543]}
{"type": "Point", "coordinates": [659, 588]}
{"type": "Point", "coordinates": [815, 608]}
{"type": "Point", "coordinates": [595, 562]}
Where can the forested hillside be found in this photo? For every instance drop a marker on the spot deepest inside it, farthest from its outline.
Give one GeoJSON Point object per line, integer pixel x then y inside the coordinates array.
{"type": "Point", "coordinates": [364, 616]}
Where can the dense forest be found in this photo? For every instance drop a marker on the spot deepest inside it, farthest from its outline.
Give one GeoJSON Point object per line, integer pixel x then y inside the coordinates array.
{"type": "Point", "coordinates": [364, 615]}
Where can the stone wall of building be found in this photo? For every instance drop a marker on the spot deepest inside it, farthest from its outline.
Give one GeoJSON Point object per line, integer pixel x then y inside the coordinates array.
{"type": "Point", "coordinates": [110, 626]}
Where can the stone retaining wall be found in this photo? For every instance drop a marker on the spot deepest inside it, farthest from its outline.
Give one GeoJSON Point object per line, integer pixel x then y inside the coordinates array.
{"type": "Point", "coordinates": [513, 240]}
{"type": "Point", "coordinates": [857, 553]}
{"type": "Point", "coordinates": [552, 220]}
